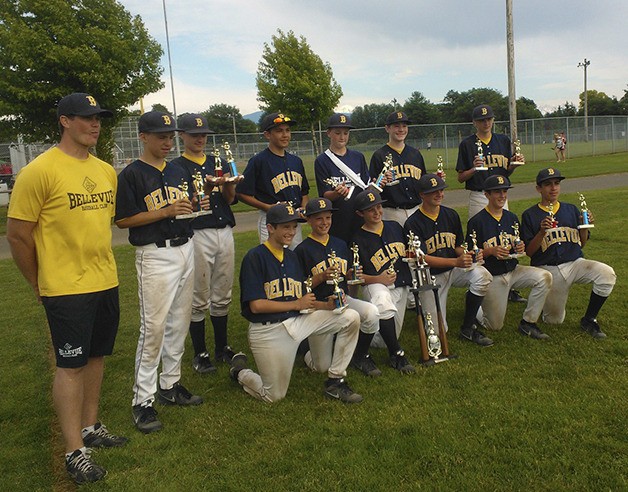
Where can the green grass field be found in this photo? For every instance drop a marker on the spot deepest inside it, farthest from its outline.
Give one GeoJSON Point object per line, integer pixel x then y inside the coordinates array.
{"type": "Point", "coordinates": [521, 415]}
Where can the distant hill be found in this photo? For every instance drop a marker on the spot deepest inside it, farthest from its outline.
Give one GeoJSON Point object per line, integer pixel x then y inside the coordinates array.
{"type": "Point", "coordinates": [254, 117]}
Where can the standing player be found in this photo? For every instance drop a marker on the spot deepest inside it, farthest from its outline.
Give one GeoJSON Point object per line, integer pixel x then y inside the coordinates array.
{"type": "Point", "coordinates": [492, 224]}
{"type": "Point", "coordinates": [558, 249]}
{"type": "Point", "coordinates": [314, 253]}
{"type": "Point", "coordinates": [274, 175]}
{"type": "Point", "coordinates": [151, 193]}
{"type": "Point", "coordinates": [271, 281]}
{"type": "Point", "coordinates": [214, 249]}
{"type": "Point", "coordinates": [497, 156]}
{"type": "Point", "coordinates": [348, 173]}
{"type": "Point", "coordinates": [382, 244]}
{"type": "Point", "coordinates": [59, 196]}
{"type": "Point", "coordinates": [440, 232]}
{"type": "Point", "coordinates": [401, 200]}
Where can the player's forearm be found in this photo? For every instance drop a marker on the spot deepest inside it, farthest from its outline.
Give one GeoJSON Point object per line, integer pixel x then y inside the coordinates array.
{"type": "Point", "coordinates": [143, 218]}
{"type": "Point", "coordinates": [535, 243]}
{"type": "Point", "coordinates": [304, 200]}
{"type": "Point", "coordinates": [254, 202]}
{"type": "Point", "coordinates": [267, 306]}
{"type": "Point", "coordinates": [438, 262]}
{"type": "Point", "coordinates": [465, 175]}
{"type": "Point", "coordinates": [24, 254]}
{"type": "Point", "coordinates": [228, 193]}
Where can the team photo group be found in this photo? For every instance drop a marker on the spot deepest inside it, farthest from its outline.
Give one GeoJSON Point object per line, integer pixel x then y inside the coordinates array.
{"type": "Point", "coordinates": [380, 242]}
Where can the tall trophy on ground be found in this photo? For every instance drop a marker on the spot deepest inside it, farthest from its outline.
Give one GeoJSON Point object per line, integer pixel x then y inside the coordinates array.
{"type": "Point", "coordinates": [518, 160]}
{"type": "Point", "coordinates": [355, 279]}
{"type": "Point", "coordinates": [233, 170]}
{"type": "Point", "coordinates": [308, 290]}
{"type": "Point", "coordinates": [480, 154]}
{"type": "Point", "coordinates": [585, 213]}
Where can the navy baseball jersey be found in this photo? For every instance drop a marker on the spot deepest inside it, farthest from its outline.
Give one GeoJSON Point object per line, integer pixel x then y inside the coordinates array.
{"type": "Point", "coordinates": [221, 215]}
{"type": "Point", "coordinates": [409, 167]}
{"type": "Point", "coordinates": [271, 178]}
{"type": "Point", "coordinates": [439, 235]}
{"type": "Point", "coordinates": [378, 250]}
{"type": "Point", "coordinates": [142, 188]}
{"type": "Point", "coordinates": [272, 275]}
{"type": "Point", "coordinates": [344, 221]}
{"type": "Point", "coordinates": [487, 234]}
{"type": "Point", "coordinates": [497, 154]}
{"type": "Point", "coordinates": [314, 259]}
{"type": "Point", "coordinates": [560, 245]}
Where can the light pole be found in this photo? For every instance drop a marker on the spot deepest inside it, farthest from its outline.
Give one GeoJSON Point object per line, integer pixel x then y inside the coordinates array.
{"type": "Point", "coordinates": [174, 104]}
{"type": "Point", "coordinates": [585, 64]}
{"type": "Point", "coordinates": [510, 51]}
{"type": "Point", "coordinates": [235, 135]}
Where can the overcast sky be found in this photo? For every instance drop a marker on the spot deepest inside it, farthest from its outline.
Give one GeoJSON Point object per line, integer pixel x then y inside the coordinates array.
{"type": "Point", "coordinates": [381, 50]}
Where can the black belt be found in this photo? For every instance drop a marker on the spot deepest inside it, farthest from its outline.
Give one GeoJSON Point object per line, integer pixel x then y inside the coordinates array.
{"type": "Point", "coordinates": [175, 241]}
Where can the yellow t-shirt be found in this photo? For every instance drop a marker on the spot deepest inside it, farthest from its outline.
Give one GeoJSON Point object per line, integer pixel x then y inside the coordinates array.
{"type": "Point", "coordinates": [72, 202]}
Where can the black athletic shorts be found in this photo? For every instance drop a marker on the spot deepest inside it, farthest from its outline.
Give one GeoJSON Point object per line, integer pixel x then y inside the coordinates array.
{"type": "Point", "coordinates": [82, 325]}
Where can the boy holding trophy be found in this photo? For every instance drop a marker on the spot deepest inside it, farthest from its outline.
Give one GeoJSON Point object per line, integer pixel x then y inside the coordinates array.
{"type": "Point", "coordinates": [555, 244]}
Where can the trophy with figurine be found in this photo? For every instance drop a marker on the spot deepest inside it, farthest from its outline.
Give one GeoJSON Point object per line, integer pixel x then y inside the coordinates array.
{"type": "Point", "coordinates": [335, 264]}
{"type": "Point", "coordinates": [585, 213]}
{"type": "Point", "coordinates": [339, 295]}
{"type": "Point", "coordinates": [199, 191]}
{"type": "Point", "coordinates": [391, 270]}
{"type": "Point", "coordinates": [184, 187]}
{"type": "Point", "coordinates": [388, 166]}
{"type": "Point", "coordinates": [550, 211]}
{"type": "Point", "coordinates": [440, 169]}
{"type": "Point", "coordinates": [334, 183]}
{"type": "Point", "coordinates": [478, 144]}
{"type": "Point", "coordinates": [355, 279]}
{"type": "Point", "coordinates": [308, 290]}
{"type": "Point", "coordinates": [518, 160]}
{"type": "Point", "coordinates": [233, 170]}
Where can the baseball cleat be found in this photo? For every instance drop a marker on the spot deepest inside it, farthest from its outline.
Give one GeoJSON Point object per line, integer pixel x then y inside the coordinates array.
{"type": "Point", "coordinates": [476, 336]}
{"type": "Point", "coordinates": [225, 355]}
{"type": "Point", "coordinates": [82, 469]}
{"type": "Point", "coordinates": [100, 437]}
{"type": "Point", "coordinates": [338, 389]}
{"type": "Point", "coordinates": [366, 365]}
{"type": "Point", "coordinates": [178, 395]}
{"type": "Point", "coordinates": [514, 296]}
{"type": "Point", "coordinates": [145, 419]}
{"type": "Point", "coordinates": [532, 331]}
{"type": "Point", "coordinates": [592, 328]}
{"type": "Point", "coordinates": [238, 362]}
{"type": "Point", "coordinates": [400, 362]}
{"type": "Point", "coordinates": [202, 363]}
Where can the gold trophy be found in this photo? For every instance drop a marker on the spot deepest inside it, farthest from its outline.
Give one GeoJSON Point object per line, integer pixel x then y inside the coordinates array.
{"type": "Point", "coordinates": [199, 190]}
{"type": "Point", "coordinates": [475, 250]}
{"type": "Point", "coordinates": [478, 144]}
{"type": "Point", "coordinates": [391, 167]}
{"type": "Point", "coordinates": [184, 188]}
{"type": "Point", "coordinates": [308, 290]}
{"type": "Point", "coordinates": [334, 183]}
{"type": "Point", "coordinates": [339, 295]}
{"type": "Point", "coordinates": [440, 169]}
{"type": "Point", "coordinates": [585, 213]}
{"type": "Point", "coordinates": [218, 171]}
{"type": "Point", "coordinates": [355, 280]}
{"type": "Point", "coordinates": [334, 263]}
{"type": "Point", "coordinates": [388, 166]}
{"type": "Point", "coordinates": [516, 241]}
{"type": "Point", "coordinates": [391, 270]}
{"type": "Point", "coordinates": [434, 347]}
{"type": "Point", "coordinates": [233, 170]}
{"type": "Point", "coordinates": [411, 249]}
{"type": "Point", "coordinates": [517, 161]}
{"type": "Point", "coordinates": [550, 211]}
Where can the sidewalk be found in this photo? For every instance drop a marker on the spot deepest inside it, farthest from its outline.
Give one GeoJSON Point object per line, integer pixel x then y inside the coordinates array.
{"type": "Point", "coordinates": [247, 221]}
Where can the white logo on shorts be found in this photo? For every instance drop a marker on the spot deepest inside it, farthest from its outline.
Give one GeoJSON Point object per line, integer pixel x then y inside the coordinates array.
{"type": "Point", "coordinates": [67, 351]}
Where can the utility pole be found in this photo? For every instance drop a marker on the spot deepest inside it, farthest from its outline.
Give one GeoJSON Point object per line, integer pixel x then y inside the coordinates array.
{"type": "Point", "coordinates": [174, 104]}
{"type": "Point", "coordinates": [585, 64]}
{"type": "Point", "coordinates": [510, 48]}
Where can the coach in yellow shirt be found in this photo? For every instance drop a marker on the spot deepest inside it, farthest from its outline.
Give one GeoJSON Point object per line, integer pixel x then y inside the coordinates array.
{"type": "Point", "coordinates": [59, 230]}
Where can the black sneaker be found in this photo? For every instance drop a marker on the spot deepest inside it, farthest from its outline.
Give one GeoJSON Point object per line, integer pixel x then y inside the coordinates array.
{"type": "Point", "coordinates": [338, 389]}
{"type": "Point", "coordinates": [202, 363]}
{"type": "Point", "coordinates": [592, 328]}
{"type": "Point", "coordinates": [145, 419]}
{"type": "Point", "coordinates": [238, 362]}
{"type": "Point", "coordinates": [400, 362]}
{"type": "Point", "coordinates": [514, 296]}
{"type": "Point", "coordinates": [82, 469]}
{"type": "Point", "coordinates": [476, 336]}
{"type": "Point", "coordinates": [366, 365]}
{"type": "Point", "coordinates": [532, 331]}
{"type": "Point", "coordinates": [225, 355]}
{"type": "Point", "coordinates": [100, 437]}
{"type": "Point", "coordinates": [178, 395]}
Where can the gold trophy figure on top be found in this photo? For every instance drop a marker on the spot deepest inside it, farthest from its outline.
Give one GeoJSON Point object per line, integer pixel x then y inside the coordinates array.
{"type": "Point", "coordinates": [480, 154]}
{"type": "Point", "coordinates": [586, 224]}
{"type": "Point", "coordinates": [308, 290]}
{"type": "Point", "coordinates": [518, 160]}
{"type": "Point", "coordinates": [440, 169]}
{"type": "Point", "coordinates": [355, 279]}
{"type": "Point", "coordinates": [233, 170]}
{"type": "Point", "coordinates": [388, 166]}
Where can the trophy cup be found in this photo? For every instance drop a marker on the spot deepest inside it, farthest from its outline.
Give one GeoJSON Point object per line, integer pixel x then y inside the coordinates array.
{"type": "Point", "coordinates": [517, 161]}
{"type": "Point", "coordinates": [391, 270]}
{"type": "Point", "coordinates": [233, 170]}
{"type": "Point", "coordinates": [483, 167]}
{"type": "Point", "coordinates": [199, 185]}
{"type": "Point", "coordinates": [333, 263]}
{"type": "Point", "coordinates": [391, 167]}
{"type": "Point", "coordinates": [550, 211]}
{"type": "Point", "coordinates": [339, 294]}
{"type": "Point", "coordinates": [516, 241]}
{"type": "Point", "coordinates": [308, 290]}
{"type": "Point", "coordinates": [184, 188]}
{"type": "Point", "coordinates": [434, 348]}
{"type": "Point", "coordinates": [410, 250]}
{"type": "Point", "coordinates": [440, 170]}
{"type": "Point", "coordinates": [356, 266]}
{"type": "Point", "coordinates": [585, 213]}
{"type": "Point", "coordinates": [388, 164]}
{"type": "Point", "coordinates": [334, 183]}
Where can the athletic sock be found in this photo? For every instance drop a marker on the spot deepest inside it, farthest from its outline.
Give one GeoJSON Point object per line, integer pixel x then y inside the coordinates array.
{"type": "Point", "coordinates": [595, 304]}
{"type": "Point", "coordinates": [472, 304]}
{"type": "Point", "coordinates": [389, 335]}
{"type": "Point", "coordinates": [220, 332]}
{"type": "Point", "coordinates": [197, 334]}
{"type": "Point", "coordinates": [364, 342]}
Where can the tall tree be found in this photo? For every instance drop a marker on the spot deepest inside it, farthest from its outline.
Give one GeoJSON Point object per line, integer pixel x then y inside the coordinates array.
{"type": "Point", "coordinates": [371, 115]}
{"type": "Point", "coordinates": [567, 110]}
{"type": "Point", "coordinates": [527, 110]}
{"type": "Point", "coordinates": [51, 48]}
{"type": "Point", "coordinates": [294, 79]}
{"type": "Point", "coordinates": [459, 105]}
{"type": "Point", "coordinates": [220, 118]}
{"type": "Point", "coordinates": [599, 104]}
{"type": "Point", "coordinates": [420, 110]}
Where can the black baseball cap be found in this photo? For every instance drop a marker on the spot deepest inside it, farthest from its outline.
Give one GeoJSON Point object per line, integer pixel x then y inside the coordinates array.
{"type": "Point", "coordinates": [282, 213]}
{"type": "Point", "coordinates": [339, 120]}
{"type": "Point", "coordinates": [194, 124]}
{"type": "Point", "coordinates": [431, 182]}
{"type": "Point", "coordinates": [81, 104]}
{"type": "Point", "coordinates": [496, 182]}
{"type": "Point", "coordinates": [397, 117]}
{"type": "Point", "coordinates": [483, 112]}
{"type": "Point", "coordinates": [367, 199]}
{"type": "Point", "coordinates": [156, 122]}
{"type": "Point", "coordinates": [272, 120]}
{"type": "Point", "coordinates": [318, 205]}
{"type": "Point", "coordinates": [548, 173]}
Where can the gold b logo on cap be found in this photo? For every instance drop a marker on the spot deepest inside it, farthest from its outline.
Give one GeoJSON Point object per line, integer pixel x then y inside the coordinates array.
{"type": "Point", "coordinates": [92, 101]}
{"type": "Point", "coordinates": [484, 111]}
{"type": "Point", "coordinates": [199, 122]}
{"type": "Point", "coordinates": [290, 209]}
{"type": "Point", "coordinates": [343, 118]}
{"type": "Point", "coordinates": [550, 171]}
{"type": "Point", "coordinates": [399, 115]}
{"type": "Point", "coordinates": [322, 204]}
{"type": "Point", "coordinates": [371, 197]}
{"type": "Point", "coordinates": [433, 182]}
{"type": "Point", "coordinates": [500, 180]}
{"type": "Point", "coordinates": [167, 120]}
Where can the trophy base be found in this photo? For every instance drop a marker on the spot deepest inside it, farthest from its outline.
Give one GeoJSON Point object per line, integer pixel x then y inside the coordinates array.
{"type": "Point", "coordinates": [512, 256]}
{"type": "Point", "coordinates": [437, 360]}
{"type": "Point", "coordinates": [355, 282]}
{"type": "Point", "coordinates": [193, 215]}
{"type": "Point", "coordinates": [421, 288]}
{"type": "Point", "coordinates": [393, 183]}
{"type": "Point", "coordinates": [408, 260]}
{"type": "Point", "coordinates": [476, 264]}
{"type": "Point", "coordinates": [481, 168]}
{"type": "Point", "coordinates": [517, 163]}
{"type": "Point", "coordinates": [235, 179]}
{"type": "Point", "coordinates": [331, 282]}
{"type": "Point", "coordinates": [586, 226]}
{"type": "Point", "coordinates": [348, 197]}
{"type": "Point", "coordinates": [377, 187]}
{"type": "Point", "coordinates": [340, 310]}
{"type": "Point", "coordinates": [307, 311]}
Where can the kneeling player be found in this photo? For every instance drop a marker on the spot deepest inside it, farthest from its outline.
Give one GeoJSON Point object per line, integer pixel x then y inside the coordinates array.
{"type": "Point", "coordinates": [271, 280]}
{"type": "Point", "coordinates": [493, 224]}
